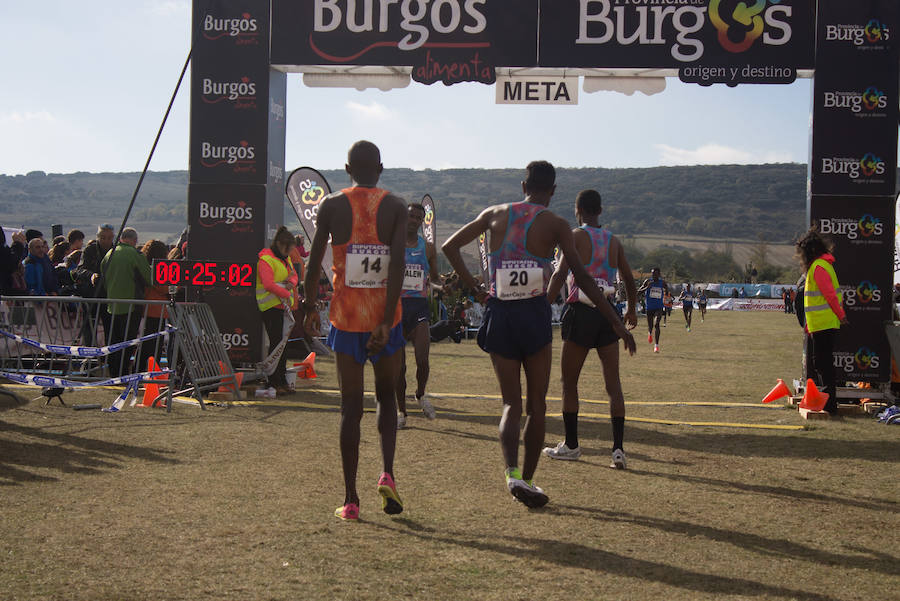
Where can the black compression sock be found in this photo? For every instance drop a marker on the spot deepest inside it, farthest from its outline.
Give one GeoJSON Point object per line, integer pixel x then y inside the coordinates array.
{"type": "Point", "coordinates": [618, 428]}
{"type": "Point", "coordinates": [570, 420]}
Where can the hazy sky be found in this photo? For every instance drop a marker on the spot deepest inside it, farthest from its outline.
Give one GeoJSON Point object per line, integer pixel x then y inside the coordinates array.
{"type": "Point", "coordinates": [86, 85]}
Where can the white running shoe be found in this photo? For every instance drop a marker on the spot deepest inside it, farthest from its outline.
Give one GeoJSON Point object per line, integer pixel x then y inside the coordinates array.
{"type": "Point", "coordinates": [618, 460]}
{"type": "Point", "coordinates": [401, 421]}
{"type": "Point", "coordinates": [427, 407]}
{"type": "Point", "coordinates": [528, 494]}
{"type": "Point", "coordinates": [656, 348]}
{"type": "Point", "coordinates": [562, 451]}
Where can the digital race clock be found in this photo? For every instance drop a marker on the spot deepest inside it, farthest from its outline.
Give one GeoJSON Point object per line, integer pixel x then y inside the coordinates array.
{"type": "Point", "coordinates": [203, 273]}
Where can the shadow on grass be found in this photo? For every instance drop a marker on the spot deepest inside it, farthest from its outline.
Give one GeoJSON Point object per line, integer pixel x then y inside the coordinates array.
{"type": "Point", "coordinates": [574, 555]}
{"type": "Point", "coordinates": [866, 559]}
{"type": "Point", "coordinates": [786, 445]}
{"type": "Point", "coordinates": [780, 492]}
{"type": "Point", "coordinates": [66, 453]}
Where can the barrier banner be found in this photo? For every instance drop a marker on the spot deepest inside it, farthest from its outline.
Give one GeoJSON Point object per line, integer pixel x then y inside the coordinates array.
{"type": "Point", "coordinates": [429, 224]}
{"type": "Point", "coordinates": [85, 351]}
{"type": "Point", "coordinates": [53, 382]}
{"type": "Point", "coordinates": [708, 41]}
{"type": "Point", "coordinates": [306, 188]}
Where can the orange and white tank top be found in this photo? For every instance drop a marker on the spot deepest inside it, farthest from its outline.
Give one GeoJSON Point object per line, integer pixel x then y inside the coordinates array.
{"type": "Point", "coordinates": [360, 267]}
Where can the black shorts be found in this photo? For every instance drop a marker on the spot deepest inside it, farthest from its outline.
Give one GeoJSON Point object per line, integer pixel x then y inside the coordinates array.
{"type": "Point", "coordinates": [587, 327]}
{"type": "Point", "coordinates": [656, 313]}
{"type": "Point", "coordinates": [415, 311]}
{"type": "Point", "coordinates": [516, 329]}
{"type": "Point", "coordinates": [687, 308]}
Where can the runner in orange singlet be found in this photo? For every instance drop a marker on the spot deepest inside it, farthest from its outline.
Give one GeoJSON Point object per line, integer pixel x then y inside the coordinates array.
{"type": "Point", "coordinates": [367, 226]}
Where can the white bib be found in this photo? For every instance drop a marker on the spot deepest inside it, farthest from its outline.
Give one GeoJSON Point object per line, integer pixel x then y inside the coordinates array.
{"type": "Point", "coordinates": [366, 265]}
{"type": "Point", "coordinates": [414, 277]}
{"type": "Point", "coordinates": [517, 280]}
{"type": "Point", "coordinates": [656, 292]}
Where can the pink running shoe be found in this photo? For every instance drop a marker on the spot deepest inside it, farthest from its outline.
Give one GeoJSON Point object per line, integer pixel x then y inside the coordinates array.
{"type": "Point", "coordinates": [390, 500]}
{"type": "Point", "coordinates": [348, 512]}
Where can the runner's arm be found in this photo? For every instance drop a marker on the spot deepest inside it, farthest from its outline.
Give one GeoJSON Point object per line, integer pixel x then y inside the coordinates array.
{"type": "Point", "coordinates": [557, 280]}
{"type": "Point", "coordinates": [464, 235]}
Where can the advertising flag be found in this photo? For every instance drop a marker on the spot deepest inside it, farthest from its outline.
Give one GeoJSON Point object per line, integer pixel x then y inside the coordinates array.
{"type": "Point", "coordinates": [306, 188]}
{"type": "Point", "coordinates": [429, 224]}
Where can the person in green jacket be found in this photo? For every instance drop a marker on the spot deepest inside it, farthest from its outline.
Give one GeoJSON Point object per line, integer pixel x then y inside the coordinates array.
{"type": "Point", "coordinates": [126, 273]}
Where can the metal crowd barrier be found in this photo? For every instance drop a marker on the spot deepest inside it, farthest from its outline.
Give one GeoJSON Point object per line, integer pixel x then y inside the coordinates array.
{"type": "Point", "coordinates": [56, 341]}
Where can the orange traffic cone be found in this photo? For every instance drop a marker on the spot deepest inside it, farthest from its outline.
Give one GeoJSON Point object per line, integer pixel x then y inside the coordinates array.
{"type": "Point", "coordinates": [230, 384]}
{"type": "Point", "coordinates": [307, 367]}
{"type": "Point", "coordinates": [781, 390]}
{"type": "Point", "coordinates": [813, 399]}
{"type": "Point", "coordinates": [151, 389]}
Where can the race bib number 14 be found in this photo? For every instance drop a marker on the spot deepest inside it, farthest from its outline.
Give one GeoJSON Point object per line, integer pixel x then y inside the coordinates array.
{"type": "Point", "coordinates": [367, 266]}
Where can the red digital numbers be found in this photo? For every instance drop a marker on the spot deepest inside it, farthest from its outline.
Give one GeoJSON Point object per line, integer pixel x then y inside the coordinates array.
{"type": "Point", "coordinates": [167, 273]}
{"type": "Point", "coordinates": [203, 273]}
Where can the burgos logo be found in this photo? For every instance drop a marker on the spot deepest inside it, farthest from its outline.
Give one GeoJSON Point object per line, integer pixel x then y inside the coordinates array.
{"type": "Point", "coordinates": [242, 93]}
{"type": "Point", "coordinates": [866, 226]}
{"type": "Point", "coordinates": [861, 104]}
{"type": "Point", "coordinates": [873, 32]}
{"type": "Point", "coordinates": [749, 21]}
{"type": "Point", "coordinates": [746, 15]}
{"type": "Point", "coordinates": [213, 156]}
{"type": "Point", "coordinates": [867, 292]}
{"type": "Point", "coordinates": [213, 214]}
{"type": "Point", "coordinates": [868, 166]}
{"type": "Point", "coordinates": [235, 339]}
{"type": "Point", "coordinates": [244, 29]}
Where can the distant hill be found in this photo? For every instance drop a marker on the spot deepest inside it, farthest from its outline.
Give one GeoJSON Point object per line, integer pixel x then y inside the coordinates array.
{"type": "Point", "coordinates": [722, 202]}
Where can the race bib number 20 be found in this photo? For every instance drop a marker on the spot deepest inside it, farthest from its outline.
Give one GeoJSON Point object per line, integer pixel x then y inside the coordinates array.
{"type": "Point", "coordinates": [517, 280]}
{"type": "Point", "coordinates": [367, 266]}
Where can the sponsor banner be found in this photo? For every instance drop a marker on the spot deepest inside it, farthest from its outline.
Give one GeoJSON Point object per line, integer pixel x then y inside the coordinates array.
{"type": "Point", "coordinates": [852, 164]}
{"type": "Point", "coordinates": [536, 90]}
{"type": "Point", "coordinates": [429, 224]}
{"type": "Point", "coordinates": [227, 222]}
{"type": "Point", "coordinates": [897, 241]}
{"type": "Point", "coordinates": [754, 290]}
{"type": "Point", "coordinates": [442, 40]}
{"type": "Point", "coordinates": [230, 27]}
{"type": "Point", "coordinates": [483, 258]}
{"type": "Point", "coordinates": [862, 352]}
{"type": "Point", "coordinates": [306, 188]}
{"type": "Point", "coordinates": [229, 91]}
{"type": "Point", "coordinates": [239, 321]}
{"type": "Point", "coordinates": [744, 304]}
{"type": "Point", "coordinates": [235, 153]}
{"type": "Point", "coordinates": [860, 227]}
{"type": "Point", "coordinates": [864, 31]}
{"type": "Point", "coordinates": [709, 41]}
{"type": "Point", "coordinates": [275, 175]}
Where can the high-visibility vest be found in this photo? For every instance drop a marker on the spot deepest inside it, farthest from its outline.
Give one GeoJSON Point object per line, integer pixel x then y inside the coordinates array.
{"type": "Point", "coordinates": [819, 315]}
{"type": "Point", "coordinates": [264, 299]}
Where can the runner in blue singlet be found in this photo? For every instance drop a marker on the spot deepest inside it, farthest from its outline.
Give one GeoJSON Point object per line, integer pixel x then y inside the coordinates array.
{"type": "Point", "coordinates": [687, 304]}
{"type": "Point", "coordinates": [420, 274]}
{"type": "Point", "coordinates": [655, 290]}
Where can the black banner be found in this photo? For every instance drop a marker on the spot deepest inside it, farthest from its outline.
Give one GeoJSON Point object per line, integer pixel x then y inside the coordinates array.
{"type": "Point", "coordinates": [239, 321]}
{"type": "Point", "coordinates": [275, 176]}
{"type": "Point", "coordinates": [229, 91]}
{"type": "Point", "coordinates": [709, 41]}
{"type": "Point", "coordinates": [443, 40]}
{"type": "Point", "coordinates": [227, 221]}
{"type": "Point", "coordinates": [862, 230]}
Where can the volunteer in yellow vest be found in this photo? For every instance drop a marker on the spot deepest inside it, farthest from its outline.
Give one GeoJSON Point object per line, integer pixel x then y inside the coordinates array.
{"type": "Point", "coordinates": [276, 293]}
{"type": "Point", "coordinates": [823, 310]}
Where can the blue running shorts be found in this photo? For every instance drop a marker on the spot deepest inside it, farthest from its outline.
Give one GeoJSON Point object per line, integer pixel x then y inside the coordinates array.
{"type": "Point", "coordinates": [516, 329]}
{"type": "Point", "coordinates": [354, 344]}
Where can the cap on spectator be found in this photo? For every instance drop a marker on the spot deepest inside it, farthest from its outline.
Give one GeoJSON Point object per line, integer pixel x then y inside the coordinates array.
{"type": "Point", "coordinates": [32, 234]}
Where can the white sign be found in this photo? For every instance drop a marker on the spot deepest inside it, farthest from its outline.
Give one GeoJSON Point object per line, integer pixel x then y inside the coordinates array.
{"type": "Point", "coordinates": [536, 90]}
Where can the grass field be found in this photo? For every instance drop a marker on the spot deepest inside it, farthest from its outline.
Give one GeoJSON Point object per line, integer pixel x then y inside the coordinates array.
{"type": "Point", "coordinates": [236, 502]}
